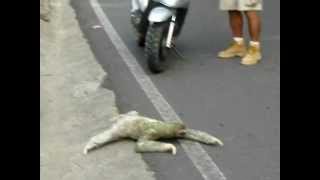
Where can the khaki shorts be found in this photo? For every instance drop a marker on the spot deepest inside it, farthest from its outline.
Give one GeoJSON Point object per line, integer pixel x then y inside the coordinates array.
{"type": "Point", "coordinates": [240, 5]}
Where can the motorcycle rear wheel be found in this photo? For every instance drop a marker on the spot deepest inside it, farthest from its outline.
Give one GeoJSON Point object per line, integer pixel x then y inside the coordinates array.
{"type": "Point", "coordinates": [141, 40]}
{"type": "Point", "coordinates": [155, 47]}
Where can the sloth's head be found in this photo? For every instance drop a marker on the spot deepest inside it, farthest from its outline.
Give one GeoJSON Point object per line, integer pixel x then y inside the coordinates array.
{"type": "Point", "coordinates": [179, 129]}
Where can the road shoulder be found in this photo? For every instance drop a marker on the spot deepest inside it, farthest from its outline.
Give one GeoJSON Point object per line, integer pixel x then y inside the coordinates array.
{"type": "Point", "coordinates": [74, 107]}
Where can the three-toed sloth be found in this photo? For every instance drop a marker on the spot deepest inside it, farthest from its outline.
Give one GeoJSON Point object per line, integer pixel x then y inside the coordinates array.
{"type": "Point", "coordinates": [146, 131]}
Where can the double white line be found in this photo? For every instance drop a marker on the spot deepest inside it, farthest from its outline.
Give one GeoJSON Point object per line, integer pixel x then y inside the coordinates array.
{"type": "Point", "coordinates": [199, 157]}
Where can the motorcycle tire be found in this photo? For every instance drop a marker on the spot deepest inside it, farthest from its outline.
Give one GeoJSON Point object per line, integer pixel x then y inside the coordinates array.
{"type": "Point", "coordinates": [141, 40]}
{"type": "Point", "coordinates": [155, 48]}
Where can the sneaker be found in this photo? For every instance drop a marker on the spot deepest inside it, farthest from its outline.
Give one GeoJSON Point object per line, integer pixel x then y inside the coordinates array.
{"type": "Point", "coordinates": [252, 57]}
{"type": "Point", "coordinates": [235, 50]}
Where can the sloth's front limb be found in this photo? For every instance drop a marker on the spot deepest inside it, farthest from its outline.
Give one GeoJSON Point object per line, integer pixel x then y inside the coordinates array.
{"type": "Point", "coordinates": [154, 146]}
{"type": "Point", "coordinates": [102, 139]}
{"type": "Point", "coordinates": [202, 137]}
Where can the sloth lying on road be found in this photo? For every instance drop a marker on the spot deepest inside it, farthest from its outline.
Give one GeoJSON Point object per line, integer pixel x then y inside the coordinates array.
{"type": "Point", "coordinates": [146, 131]}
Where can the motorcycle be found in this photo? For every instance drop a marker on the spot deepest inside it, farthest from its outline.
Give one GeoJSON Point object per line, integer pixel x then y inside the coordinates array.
{"type": "Point", "coordinates": [157, 24]}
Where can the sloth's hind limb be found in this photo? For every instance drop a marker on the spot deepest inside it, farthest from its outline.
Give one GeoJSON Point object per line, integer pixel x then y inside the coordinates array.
{"type": "Point", "coordinates": [99, 140]}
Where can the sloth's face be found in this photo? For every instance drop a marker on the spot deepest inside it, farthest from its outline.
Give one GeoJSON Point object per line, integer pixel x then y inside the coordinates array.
{"type": "Point", "coordinates": [176, 129]}
{"type": "Point", "coordinates": [181, 132]}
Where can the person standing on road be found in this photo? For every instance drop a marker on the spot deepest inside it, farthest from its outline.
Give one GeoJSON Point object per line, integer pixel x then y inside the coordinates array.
{"type": "Point", "coordinates": [236, 9]}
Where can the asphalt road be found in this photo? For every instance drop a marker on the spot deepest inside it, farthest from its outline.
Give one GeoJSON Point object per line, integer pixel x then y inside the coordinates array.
{"type": "Point", "coordinates": [239, 104]}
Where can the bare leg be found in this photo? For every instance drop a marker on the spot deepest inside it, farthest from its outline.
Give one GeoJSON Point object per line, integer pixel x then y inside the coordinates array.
{"type": "Point", "coordinates": [154, 146]}
{"type": "Point", "coordinates": [254, 52]}
{"type": "Point", "coordinates": [102, 139]}
{"type": "Point", "coordinates": [237, 48]}
{"type": "Point", "coordinates": [254, 25]}
{"type": "Point", "coordinates": [236, 23]}
{"type": "Point", "coordinates": [202, 137]}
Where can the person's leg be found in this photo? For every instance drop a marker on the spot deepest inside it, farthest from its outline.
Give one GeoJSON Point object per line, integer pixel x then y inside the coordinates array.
{"type": "Point", "coordinates": [236, 23]}
{"type": "Point", "coordinates": [254, 26]}
{"type": "Point", "coordinates": [237, 48]}
{"type": "Point", "coordinates": [254, 23]}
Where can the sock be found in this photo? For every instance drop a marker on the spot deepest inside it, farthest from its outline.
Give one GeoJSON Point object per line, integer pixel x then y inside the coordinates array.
{"type": "Point", "coordinates": [255, 44]}
{"type": "Point", "coordinates": [239, 40]}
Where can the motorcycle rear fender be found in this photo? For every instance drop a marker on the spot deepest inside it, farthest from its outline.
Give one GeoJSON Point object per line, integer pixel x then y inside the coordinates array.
{"type": "Point", "coordinates": [159, 14]}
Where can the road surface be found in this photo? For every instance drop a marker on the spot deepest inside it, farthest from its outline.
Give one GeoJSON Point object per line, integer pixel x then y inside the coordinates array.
{"type": "Point", "coordinates": [239, 104]}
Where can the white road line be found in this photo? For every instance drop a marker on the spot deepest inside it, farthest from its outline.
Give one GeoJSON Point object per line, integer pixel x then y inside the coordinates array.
{"type": "Point", "coordinates": [200, 158]}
